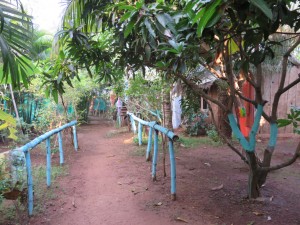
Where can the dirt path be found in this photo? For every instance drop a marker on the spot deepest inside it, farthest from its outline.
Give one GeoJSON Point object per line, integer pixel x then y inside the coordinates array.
{"type": "Point", "coordinates": [99, 190]}
{"type": "Point", "coordinates": [110, 184]}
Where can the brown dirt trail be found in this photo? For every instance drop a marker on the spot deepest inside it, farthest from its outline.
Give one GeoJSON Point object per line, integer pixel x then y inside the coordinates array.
{"type": "Point", "coordinates": [110, 184]}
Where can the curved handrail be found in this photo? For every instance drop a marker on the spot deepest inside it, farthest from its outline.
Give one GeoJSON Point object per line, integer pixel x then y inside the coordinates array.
{"type": "Point", "coordinates": [172, 137]}
{"type": "Point", "coordinates": [30, 145]}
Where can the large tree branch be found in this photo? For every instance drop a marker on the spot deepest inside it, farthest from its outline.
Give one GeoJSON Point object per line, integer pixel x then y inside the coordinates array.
{"type": "Point", "coordinates": [230, 76]}
{"type": "Point", "coordinates": [285, 164]}
{"type": "Point", "coordinates": [282, 80]}
{"type": "Point", "coordinates": [295, 82]}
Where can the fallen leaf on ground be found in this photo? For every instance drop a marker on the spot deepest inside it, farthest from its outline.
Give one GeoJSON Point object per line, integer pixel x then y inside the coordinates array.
{"type": "Point", "coordinates": [258, 213]}
{"type": "Point", "coordinates": [208, 164]}
{"type": "Point", "coordinates": [181, 219]}
{"type": "Point", "coordinates": [182, 145]}
{"type": "Point", "coordinates": [158, 204]}
{"type": "Point", "coordinates": [269, 218]}
{"type": "Point", "coordinates": [217, 188]}
{"type": "Point", "coordinates": [177, 158]}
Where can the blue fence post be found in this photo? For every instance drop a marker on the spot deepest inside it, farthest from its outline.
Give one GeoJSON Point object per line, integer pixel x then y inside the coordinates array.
{"type": "Point", "coordinates": [75, 138]}
{"type": "Point", "coordinates": [48, 170]}
{"type": "Point", "coordinates": [29, 183]}
{"type": "Point", "coordinates": [61, 150]}
{"type": "Point", "coordinates": [149, 144]}
{"type": "Point", "coordinates": [155, 153]}
{"type": "Point", "coordinates": [133, 127]}
{"type": "Point", "coordinates": [140, 132]}
{"type": "Point", "coordinates": [173, 169]}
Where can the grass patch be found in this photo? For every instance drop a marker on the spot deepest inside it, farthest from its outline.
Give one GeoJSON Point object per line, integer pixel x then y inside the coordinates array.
{"type": "Point", "coordinates": [42, 194]}
{"type": "Point", "coordinates": [114, 133]}
{"type": "Point", "coordinates": [193, 142]}
{"type": "Point", "coordinates": [139, 151]}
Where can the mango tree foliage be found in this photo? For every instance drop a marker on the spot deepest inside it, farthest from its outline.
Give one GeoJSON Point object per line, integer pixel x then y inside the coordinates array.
{"type": "Point", "coordinates": [231, 39]}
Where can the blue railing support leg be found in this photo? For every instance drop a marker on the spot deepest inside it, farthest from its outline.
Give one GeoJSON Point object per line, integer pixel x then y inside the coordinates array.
{"type": "Point", "coordinates": [140, 133]}
{"type": "Point", "coordinates": [155, 153]}
{"type": "Point", "coordinates": [173, 170]}
{"type": "Point", "coordinates": [29, 183]}
{"type": "Point", "coordinates": [61, 150]}
{"type": "Point", "coordinates": [149, 144]}
{"type": "Point", "coordinates": [48, 170]}
{"type": "Point", "coordinates": [75, 138]}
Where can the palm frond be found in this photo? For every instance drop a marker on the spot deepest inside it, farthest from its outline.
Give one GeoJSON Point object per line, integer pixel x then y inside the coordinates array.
{"type": "Point", "coordinates": [15, 42]}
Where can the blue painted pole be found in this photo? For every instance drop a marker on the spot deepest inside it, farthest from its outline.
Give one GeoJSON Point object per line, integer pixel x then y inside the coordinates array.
{"type": "Point", "coordinates": [75, 138]}
{"type": "Point", "coordinates": [155, 153]}
{"type": "Point", "coordinates": [237, 132]}
{"type": "Point", "coordinates": [48, 170]}
{"type": "Point", "coordinates": [173, 170]}
{"type": "Point", "coordinates": [273, 135]}
{"type": "Point", "coordinates": [149, 144]}
{"type": "Point", "coordinates": [29, 183]}
{"type": "Point", "coordinates": [133, 127]}
{"type": "Point", "coordinates": [255, 127]}
{"type": "Point", "coordinates": [140, 133]}
{"type": "Point", "coordinates": [61, 150]}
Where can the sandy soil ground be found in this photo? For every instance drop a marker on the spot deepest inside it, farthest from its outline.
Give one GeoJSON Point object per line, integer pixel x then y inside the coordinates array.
{"type": "Point", "coordinates": [109, 183]}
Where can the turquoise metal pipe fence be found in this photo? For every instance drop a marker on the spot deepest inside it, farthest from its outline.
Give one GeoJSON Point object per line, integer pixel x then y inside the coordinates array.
{"type": "Point", "coordinates": [171, 136]}
{"type": "Point", "coordinates": [30, 145]}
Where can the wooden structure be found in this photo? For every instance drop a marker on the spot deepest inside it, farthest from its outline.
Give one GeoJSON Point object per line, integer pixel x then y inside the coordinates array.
{"type": "Point", "coordinates": [289, 100]}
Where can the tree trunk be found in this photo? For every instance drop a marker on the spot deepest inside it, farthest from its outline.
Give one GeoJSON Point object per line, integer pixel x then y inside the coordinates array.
{"type": "Point", "coordinates": [14, 102]}
{"type": "Point", "coordinates": [224, 125]}
{"type": "Point", "coordinates": [253, 180]}
{"type": "Point", "coordinates": [265, 163]}
{"type": "Point", "coordinates": [167, 119]}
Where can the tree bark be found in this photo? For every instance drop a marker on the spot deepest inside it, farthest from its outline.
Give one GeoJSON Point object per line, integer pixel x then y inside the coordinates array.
{"type": "Point", "coordinates": [167, 119]}
{"type": "Point", "coordinates": [265, 163]}
{"type": "Point", "coordinates": [253, 186]}
{"type": "Point", "coordinates": [223, 125]}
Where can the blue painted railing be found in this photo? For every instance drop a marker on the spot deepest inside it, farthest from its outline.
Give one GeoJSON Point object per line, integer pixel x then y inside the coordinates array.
{"type": "Point", "coordinates": [29, 146]}
{"type": "Point", "coordinates": [171, 136]}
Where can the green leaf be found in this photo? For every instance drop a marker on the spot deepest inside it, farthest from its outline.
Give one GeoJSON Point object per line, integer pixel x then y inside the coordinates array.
{"type": "Point", "coordinates": [129, 28]}
{"type": "Point", "coordinates": [283, 122]}
{"type": "Point", "coordinates": [125, 16]}
{"type": "Point", "coordinates": [55, 95]}
{"type": "Point", "coordinates": [209, 12]}
{"type": "Point", "coordinates": [10, 123]}
{"type": "Point", "coordinates": [127, 7]}
{"type": "Point", "coordinates": [262, 5]}
{"type": "Point", "coordinates": [139, 5]}
{"type": "Point", "coordinates": [149, 27]}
